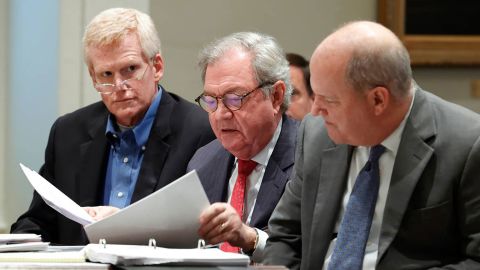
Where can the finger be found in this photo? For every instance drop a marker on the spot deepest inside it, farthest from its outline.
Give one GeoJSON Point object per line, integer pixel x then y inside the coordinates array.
{"type": "Point", "coordinates": [105, 211]}
{"type": "Point", "coordinates": [219, 234]}
{"type": "Point", "coordinates": [216, 226]}
{"type": "Point", "coordinates": [90, 211]}
{"type": "Point", "coordinates": [211, 212]}
{"type": "Point", "coordinates": [210, 218]}
{"type": "Point", "coordinates": [228, 230]}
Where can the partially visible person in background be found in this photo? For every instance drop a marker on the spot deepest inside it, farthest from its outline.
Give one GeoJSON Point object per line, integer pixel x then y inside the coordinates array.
{"type": "Point", "coordinates": [138, 139]}
{"type": "Point", "coordinates": [302, 95]}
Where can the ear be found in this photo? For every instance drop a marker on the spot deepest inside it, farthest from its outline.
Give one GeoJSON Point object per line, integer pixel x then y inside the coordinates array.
{"type": "Point", "coordinates": [379, 99]}
{"type": "Point", "coordinates": [278, 95]}
{"type": "Point", "coordinates": [159, 67]}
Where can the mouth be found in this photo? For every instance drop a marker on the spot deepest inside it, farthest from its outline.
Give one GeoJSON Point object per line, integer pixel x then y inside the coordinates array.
{"type": "Point", "coordinates": [328, 123]}
{"type": "Point", "coordinates": [228, 130]}
{"type": "Point", "coordinates": [123, 100]}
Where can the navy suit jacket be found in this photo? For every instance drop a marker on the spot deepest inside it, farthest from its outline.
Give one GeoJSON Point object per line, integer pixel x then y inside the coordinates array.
{"type": "Point", "coordinates": [214, 165]}
{"type": "Point", "coordinates": [77, 156]}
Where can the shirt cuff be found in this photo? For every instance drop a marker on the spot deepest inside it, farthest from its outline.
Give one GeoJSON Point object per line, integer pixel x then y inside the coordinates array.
{"type": "Point", "coordinates": [258, 253]}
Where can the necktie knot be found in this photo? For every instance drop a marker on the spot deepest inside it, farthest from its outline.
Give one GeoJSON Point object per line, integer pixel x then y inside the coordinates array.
{"type": "Point", "coordinates": [245, 167]}
{"type": "Point", "coordinates": [375, 152]}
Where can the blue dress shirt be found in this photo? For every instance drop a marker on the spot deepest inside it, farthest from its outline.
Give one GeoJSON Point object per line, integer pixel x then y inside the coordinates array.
{"type": "Point", "coordinates": [126, 156]}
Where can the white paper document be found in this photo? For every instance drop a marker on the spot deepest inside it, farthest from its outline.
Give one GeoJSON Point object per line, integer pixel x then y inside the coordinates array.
{"type": "Point", "coordinates": [169, 215]}
{"type": "Point", "coordinates": [145, 255]}
{"type": "Point", "coordinates": [6, 238]}
{"type": "Point", "coordinates": [28, 246]}
{"type": "Point", "coordinates": [55, 198]}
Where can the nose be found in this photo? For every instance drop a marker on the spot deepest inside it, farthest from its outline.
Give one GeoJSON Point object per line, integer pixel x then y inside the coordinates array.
{"type": "Point", "coordinates": [317, 108]}
{"type": "Point", "coordinates": [222, 112]}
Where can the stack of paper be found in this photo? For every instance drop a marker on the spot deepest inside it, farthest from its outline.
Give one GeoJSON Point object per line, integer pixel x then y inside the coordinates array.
{"type": "Point", "coordinates": [21, 242]}
{"type": "Point", "coordinates": [147, 255]}
{"type": "Point", "coordinates": [43, 256]}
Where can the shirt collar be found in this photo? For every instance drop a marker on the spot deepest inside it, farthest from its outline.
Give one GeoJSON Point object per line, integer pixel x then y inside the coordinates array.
{"type": "Point", "coordinates": [142, 129]}
{"type": "Point", "coordinates": [392, 142]}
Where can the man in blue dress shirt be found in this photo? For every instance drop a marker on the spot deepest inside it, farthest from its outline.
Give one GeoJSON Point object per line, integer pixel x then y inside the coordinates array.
{"type": "Point", "coordinates": [122, 149]}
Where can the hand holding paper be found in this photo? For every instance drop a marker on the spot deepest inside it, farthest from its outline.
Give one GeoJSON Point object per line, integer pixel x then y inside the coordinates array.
{"type": "Point", "coordinates": [169, 215]}
{"type": "Point", "coordinates": [100, 212]}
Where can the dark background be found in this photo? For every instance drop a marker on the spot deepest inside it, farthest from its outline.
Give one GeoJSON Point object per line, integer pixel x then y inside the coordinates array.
{"type": "Point", "coordinates": [442, 17]}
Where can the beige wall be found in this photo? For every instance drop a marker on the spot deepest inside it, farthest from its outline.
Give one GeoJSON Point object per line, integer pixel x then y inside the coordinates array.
{"type": "Point", "coordinates": [185, 26]}
{"type": "Point", "coordinates": [3, 108]}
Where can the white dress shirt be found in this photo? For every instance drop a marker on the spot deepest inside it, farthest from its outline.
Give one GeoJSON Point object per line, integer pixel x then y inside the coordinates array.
{"type": "Point", "coordinates": [359, 159]}
{"type": "Point", "coordinates": [254, 181]}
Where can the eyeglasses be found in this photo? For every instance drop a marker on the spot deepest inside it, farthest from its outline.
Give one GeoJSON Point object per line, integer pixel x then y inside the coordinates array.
{"type": "Point", "coordinates": [230, 100]}
{"type": "Point", "coordinates": [128, 84]}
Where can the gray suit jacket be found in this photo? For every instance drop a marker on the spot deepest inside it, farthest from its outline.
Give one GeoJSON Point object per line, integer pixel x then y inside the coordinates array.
{"type": "Point", "coordinates": [214, 166]}
{"type": "Point", "coordinates": [432, 213]}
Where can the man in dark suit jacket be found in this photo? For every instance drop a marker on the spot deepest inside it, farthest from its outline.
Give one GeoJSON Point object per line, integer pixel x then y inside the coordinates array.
{"type": "Point", "coordinates": [214, 165]}
{"type": "Point", "coordinates": [427, 215]}
{"type": "Point", "coordinates": [139, 130]}
{"type": "Point", "coordinates": [246, 92]}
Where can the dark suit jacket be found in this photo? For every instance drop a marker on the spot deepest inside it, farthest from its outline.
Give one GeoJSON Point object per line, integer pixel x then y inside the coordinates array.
{"type": "Point", "coordinates": [432, 212]}
{"type": "Point", "coordinates": [214, 166]}
{"type": "Point", "coordinates": [76, 161]}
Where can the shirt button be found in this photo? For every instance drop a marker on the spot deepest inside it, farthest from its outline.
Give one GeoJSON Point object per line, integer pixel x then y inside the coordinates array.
{"type": "Point", "coordinates": [143, 148]}
{"type": "Point", "coordinates": [125, 159]}
{"type": "Point", "coordinates": [120, 194]}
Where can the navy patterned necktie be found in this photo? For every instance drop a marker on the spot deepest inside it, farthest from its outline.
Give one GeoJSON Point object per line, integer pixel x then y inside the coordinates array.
{"type": "Point", "coordinates": [353, 233]}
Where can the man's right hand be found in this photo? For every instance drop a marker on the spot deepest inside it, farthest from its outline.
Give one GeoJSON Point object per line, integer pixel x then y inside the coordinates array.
{"type": "Point", "coordinates": [100, 212]}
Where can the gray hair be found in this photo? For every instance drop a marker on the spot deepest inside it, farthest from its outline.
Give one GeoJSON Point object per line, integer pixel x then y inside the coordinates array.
{"type": "Point", "coordinates": [112, 25]}
{"type": "Point", "coordinates": [383, 64]}
{"type": "Point", "coordinates": [268, 59]}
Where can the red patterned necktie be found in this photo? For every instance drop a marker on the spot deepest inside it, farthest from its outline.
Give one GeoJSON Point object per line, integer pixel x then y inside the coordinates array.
{"type": "Point", "coordinates": [245, 168]}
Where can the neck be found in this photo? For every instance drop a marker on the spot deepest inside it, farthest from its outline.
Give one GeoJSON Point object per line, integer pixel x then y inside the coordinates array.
{"type": "Point", "coordinates": [392, 119]}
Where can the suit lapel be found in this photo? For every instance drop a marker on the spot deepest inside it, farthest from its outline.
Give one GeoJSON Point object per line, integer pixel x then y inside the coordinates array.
{"type": "Point", "coordinates": [90, 178]}
{"type": "Point", "coordinates": [275, 177]}
{"type": "Point", "coordinates": [412, 158]}
{"type": "Point", "coordinates": [331, 187]}
{"type": "Point", "coordinates": [156, 151]}
{"type": "Point", "coordinates": [216, 174]}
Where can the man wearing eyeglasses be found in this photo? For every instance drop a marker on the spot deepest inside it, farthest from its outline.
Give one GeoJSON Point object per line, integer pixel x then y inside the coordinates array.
{"type": "Point", "coordinates": [118, 151]}
{"type": "Point", "coordinates": [244, 171]}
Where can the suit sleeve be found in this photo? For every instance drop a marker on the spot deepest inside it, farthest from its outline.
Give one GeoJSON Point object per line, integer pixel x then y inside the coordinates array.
{"type": "Point", "coordinates": [40, 218]}
{"type": "Point", "coordinates": [468, 206]}
{"type": "Point", "coordinates": [285, 241]}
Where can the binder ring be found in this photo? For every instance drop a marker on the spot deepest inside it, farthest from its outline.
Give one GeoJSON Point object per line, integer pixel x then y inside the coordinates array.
{"type": "Point", "coordinates": [152, 243]}
{"type": "Point", "coordinates": [102, 242]}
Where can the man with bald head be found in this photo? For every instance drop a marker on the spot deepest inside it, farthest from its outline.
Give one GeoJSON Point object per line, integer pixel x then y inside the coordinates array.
{"type": "Point", "coordinates": [386, 174]}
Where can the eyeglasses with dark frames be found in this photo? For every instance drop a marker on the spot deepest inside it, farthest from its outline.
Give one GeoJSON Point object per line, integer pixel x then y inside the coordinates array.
{"type": "Point", "coordinates": [230, 100]}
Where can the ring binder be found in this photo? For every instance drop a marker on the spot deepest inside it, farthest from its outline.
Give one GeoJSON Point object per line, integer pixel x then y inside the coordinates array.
{"type": "Point", "coordinates": [146, 255]}
{"type": "Point", "coordinates": [201, 243]}
{"type": "Point", "coordinates": [152, 243]}
{"type": "Point", "coordinates": [102, 242]}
